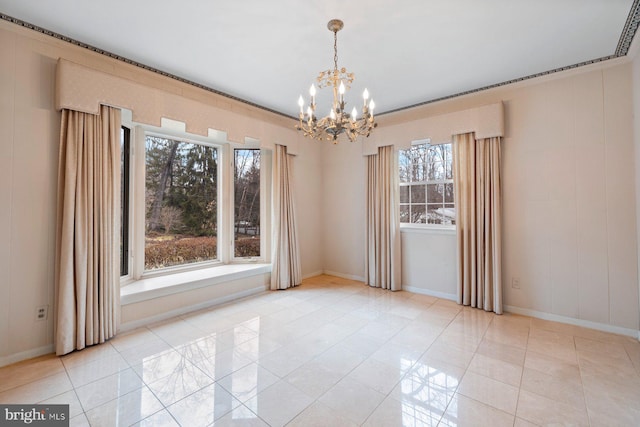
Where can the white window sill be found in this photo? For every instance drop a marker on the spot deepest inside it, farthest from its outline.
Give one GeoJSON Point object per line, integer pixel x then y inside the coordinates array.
{"type": "Point", "coordinates": [428, 229]}
{"type": "Point", "coordinates": [159, 286]}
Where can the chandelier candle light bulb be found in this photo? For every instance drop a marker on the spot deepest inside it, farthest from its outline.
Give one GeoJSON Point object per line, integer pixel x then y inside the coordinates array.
{"type": "Point", "coordinates": [337, 122]}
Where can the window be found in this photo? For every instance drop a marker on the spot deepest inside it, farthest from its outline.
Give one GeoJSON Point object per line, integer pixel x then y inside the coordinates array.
{"type": "Point", "coordinates": [183, 195]}
{"type": "Point", "coordinates": [125, 152]}
{"type": "Point", "coordinates": [246, 216]}
{"type": "Point", "coordinates": [181, 202]}
{"type": "Point", "coordinates": [426, 184]}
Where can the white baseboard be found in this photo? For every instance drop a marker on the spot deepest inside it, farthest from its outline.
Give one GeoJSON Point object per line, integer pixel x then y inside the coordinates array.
{"type": "Point", "coordinates": [572, 321]}
{"type": "Point", "coordinates": [429, 292]}
{"type": "Point", "coordinates": [48, 349]}
{"type": "Point", "coordinates": [344, 276]}
{"type": "Point", "coordinates": [314, 274]}
{"type": "Point", "coordinates": [188, 309]}
{"type": "Point", "coordinates": [24, 355]}
{"type": "Point", "coordinates": [539, 314]}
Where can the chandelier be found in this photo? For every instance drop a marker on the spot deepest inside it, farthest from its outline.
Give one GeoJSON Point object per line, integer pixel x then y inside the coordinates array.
{"type": "Point", "coordinates": [338, 121]}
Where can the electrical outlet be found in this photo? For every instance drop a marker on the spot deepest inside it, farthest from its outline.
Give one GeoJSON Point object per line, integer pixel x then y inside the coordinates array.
{"type": "Point", "coordinates": [515, 283]}
{"type": "Point", "coordinates": [42, 312]}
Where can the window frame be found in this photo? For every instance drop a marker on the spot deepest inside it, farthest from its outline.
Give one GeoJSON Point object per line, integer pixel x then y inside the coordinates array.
{"type": "Point", "coordinates": [137, 212]}
{"type": "Point", "coordinates": [194, 265]}
{"type": "Point", "coordinates": [425, 227]}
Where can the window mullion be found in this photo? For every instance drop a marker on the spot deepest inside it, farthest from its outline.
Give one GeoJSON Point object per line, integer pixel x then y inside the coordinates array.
{"type": "Point", "coordinates": [138, 198]}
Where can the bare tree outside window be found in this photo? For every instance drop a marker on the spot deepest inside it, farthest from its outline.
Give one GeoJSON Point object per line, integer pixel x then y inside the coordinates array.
{"type": "Point", "coordinates": [246, 181]}
{"type": "Point", "coordinates": [181, 202]}
{"type": "Point", "coordinates": [426, 185]}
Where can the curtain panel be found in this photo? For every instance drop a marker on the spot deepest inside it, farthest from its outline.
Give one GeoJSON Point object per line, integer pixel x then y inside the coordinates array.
{"type": "Point", "coordinates": [382, 262]}
{"type": "Point", "coordinates": [87, 257]}
{"type": "Point", "coordinates": [285, 271]}
{"type": "Point", "coordinates": [478, 221]}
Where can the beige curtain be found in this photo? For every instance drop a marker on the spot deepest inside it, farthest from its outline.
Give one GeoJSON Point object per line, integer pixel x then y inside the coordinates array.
{"type": "Point", "coordinates": [285, 271]}
{"type": "Point", "coordinates": [87, 261]}
{"type": "Point", "coordinates": [478, 221]}
{"type": "Point", "coordinates": [382, 262]}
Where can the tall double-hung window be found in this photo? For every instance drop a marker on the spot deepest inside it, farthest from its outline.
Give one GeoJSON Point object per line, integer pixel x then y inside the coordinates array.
{"type": "Point", "coordinates": [426, 184]}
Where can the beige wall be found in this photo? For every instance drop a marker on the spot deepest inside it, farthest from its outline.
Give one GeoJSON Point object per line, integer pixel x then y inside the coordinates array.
{"type": "Point", "coordinates": [307, 172]}
{"type": "Point", "coordinates": [29, 132]}
{"type": "Point", "coordinates": [28, 168]}
{"type": "Point", "coordinates": [569, 200]}
{"type": "Point", "coordinates": [343, 204]}
{"type": "Point", "coordinates": [434, 274]}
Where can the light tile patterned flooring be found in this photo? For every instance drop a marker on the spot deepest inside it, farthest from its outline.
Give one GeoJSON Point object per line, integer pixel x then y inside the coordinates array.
{"type": "Point", "coordinates": [334, 352]}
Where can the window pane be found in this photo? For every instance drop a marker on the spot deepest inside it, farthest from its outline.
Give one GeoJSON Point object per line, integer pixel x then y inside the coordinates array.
{"type": "Point", "coordinates": [246, 181]}
{"type": "Point", "coordinates": [437, 153]}
{"type": "Point", "coordinates": [435, 193]}
{"type": "Point", "coordinates": [418, 193]}
{"type": "Point", "coordinates": [435, 214]}
{"type": "Point", "coordinates": [418, 171]}
{"type": "Point", "coordinates": [448, 192]}
{"type": "Point", "coordinates": [450, 214]}
{"type": "Point", "coordinates": [124, 200]}
{"type": "Point", "coordinates": [181, 203]}
{"type": "Point", "coordinates": [435, 171]}
{"type": "Point", "coordinates": [404, 165]}
{"type": "Point", "coordinates": [404, 213]}
{"type": "Point", "coordinates": [448, 162]}
{"type": "Point", "coordinates": [404, 194]}
{"type": "Point", "coordinates": [418, 214]}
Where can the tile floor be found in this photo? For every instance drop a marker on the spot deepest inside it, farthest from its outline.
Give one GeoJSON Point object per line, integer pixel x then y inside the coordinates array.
{"type": "Point", "coordinates": [334, 352]}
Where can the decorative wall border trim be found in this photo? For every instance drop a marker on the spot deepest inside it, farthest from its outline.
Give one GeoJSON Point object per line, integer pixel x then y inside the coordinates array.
{"type": "Point", "coordinates": [505, 83]}
{"type": "Point", "coordinates": [624, 43]}
{"type": "Point", "coordinates": [629, 30]}
{"type": "Point", "coordinates": [135, 63]}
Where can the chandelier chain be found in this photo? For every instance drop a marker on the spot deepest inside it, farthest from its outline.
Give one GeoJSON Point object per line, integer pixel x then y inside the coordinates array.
{"type": "Point", "coordinates": [335, 51]}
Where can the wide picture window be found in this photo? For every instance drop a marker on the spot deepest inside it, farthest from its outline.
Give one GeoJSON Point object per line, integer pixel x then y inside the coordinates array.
{"type": "Point", "coordinates": [426, 185]}
{"type": "Point", "coordinates": [181, 203]}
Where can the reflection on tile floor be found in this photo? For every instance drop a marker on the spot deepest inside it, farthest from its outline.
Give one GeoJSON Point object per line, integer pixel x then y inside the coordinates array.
{"type": "Point", "coordinates": [334, 352]}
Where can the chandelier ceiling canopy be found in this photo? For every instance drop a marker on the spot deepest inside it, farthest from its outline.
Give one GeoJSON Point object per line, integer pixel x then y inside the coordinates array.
{"type": "Point", "coordinates": [338, 121]}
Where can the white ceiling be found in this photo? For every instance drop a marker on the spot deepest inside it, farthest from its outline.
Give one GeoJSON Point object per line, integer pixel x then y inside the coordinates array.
{"type": "Point", "coordinates": [406, 51]}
